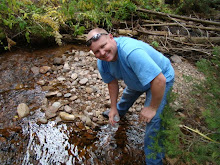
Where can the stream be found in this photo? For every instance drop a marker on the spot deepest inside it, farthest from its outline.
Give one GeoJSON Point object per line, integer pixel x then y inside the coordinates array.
{"type": "Point", "coordinates": [25, 141]}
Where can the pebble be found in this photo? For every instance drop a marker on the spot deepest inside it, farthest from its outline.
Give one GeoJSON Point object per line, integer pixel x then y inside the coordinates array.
{"type": "Point", "coordinates": [23, 110]}
{"type": "Point", "coordinates": [83, 81]}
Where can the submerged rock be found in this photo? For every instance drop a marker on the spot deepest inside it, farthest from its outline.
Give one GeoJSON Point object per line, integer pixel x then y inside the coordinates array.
{"type": "Point", "coordinates": [23, 110]}
{"type": "Point", "coordinates": [44, 69]}
{"type": "Point", "coordinates": [66, 116]}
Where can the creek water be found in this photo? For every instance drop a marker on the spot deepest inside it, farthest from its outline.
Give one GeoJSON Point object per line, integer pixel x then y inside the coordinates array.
{"type": "Point", "coordinates": [26, 142]}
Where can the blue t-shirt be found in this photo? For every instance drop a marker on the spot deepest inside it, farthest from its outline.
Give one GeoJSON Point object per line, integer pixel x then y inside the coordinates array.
{"type": "Point", "coordinates": [137, 64]}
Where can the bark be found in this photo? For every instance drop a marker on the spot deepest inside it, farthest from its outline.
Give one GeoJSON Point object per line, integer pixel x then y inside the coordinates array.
{"type": "Point", "coordinates": [180, 17]}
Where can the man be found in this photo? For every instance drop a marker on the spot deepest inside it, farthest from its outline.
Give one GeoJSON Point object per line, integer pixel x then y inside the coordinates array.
{"type": "Point", "coordinates": [143, 69]}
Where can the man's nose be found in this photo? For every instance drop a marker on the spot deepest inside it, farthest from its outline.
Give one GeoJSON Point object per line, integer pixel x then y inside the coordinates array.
{"type": "Point", "coordinates": [102, 52]}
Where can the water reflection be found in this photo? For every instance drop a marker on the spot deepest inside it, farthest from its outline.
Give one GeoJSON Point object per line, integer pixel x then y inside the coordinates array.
{"type": "Point", "coordinates": [65, 144]}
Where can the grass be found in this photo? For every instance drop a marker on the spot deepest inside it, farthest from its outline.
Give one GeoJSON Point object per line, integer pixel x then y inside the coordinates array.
{"type": "Point", "coordinates": [199, 141]}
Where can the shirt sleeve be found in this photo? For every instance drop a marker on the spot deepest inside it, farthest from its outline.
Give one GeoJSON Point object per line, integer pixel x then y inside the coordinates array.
{"type": "Point", "coordinates": [103, 68]}
{"type": "Point", "coordinates": [143, 66]}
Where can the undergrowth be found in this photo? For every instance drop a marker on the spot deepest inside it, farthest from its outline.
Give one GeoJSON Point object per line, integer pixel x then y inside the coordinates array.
{"type": "Point", "coordinates": [30, 19]}
{"type": "Point", "coordinates": [191, 140]}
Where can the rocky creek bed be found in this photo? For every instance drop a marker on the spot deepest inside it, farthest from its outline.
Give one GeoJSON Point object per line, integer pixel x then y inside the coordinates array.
{"type": "Point", "coordinates": [51, 105]}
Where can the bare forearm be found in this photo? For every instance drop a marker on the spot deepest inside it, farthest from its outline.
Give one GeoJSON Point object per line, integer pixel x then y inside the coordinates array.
{"type": "Point", "coordinates": [113, 92]}
{"type": "Point", "coordinates": [158, 86]}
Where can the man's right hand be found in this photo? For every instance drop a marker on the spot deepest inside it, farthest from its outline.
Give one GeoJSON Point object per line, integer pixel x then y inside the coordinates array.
{"type": "Point", "coordinates": [111, 115]}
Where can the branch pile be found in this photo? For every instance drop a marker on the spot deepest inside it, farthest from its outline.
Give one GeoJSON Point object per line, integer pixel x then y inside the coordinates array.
{"type": "Point", "coordinates": [191, 38]}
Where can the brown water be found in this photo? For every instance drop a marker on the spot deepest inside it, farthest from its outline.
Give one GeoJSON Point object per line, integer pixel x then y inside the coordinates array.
{"type": "Point", "coordinates": [25, 142]}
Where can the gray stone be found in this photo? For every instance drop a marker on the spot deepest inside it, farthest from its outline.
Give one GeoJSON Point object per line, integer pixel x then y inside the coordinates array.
{"type": "Point", "coordinates": [23, 110]}
{"type": "Point", "coordinates": [44, 69]}
{"type": "Point", "coordinates": [58, 61]}
{"type": "Point", "coordinates": [35, 70]}
{"type": "Point", "coordinates": [176, 59]}
{"type": "Point", "coordinates": [83, 81]}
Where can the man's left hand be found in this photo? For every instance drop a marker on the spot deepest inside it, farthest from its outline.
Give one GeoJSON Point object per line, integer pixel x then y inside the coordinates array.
{"type": "Point", "coordinates": [147, 113]}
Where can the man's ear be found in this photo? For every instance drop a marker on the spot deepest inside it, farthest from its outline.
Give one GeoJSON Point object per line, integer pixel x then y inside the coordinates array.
{"type": "Point", "coordinates": [111, 36]}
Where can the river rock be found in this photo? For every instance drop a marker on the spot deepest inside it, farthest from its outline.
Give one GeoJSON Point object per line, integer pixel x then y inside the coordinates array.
{"type": "Point", "coordinates": [41, 82]}
{"type": "Point", "coordinates": [58, 61]}
{"type": "Point", "coordinates": [73, 98]}
{"type": "Point", "coordinates": [51, 112]}
{"type": "Point", "coordinates": [49, 94]}
{"type": "Point", "coordinates": [74, 76]}
{"type": "Point", "coordinates": [44, 69]}
{"type": "Point", "coordinates": [67, 95]}
{"type": "Point", "coordinates": [176, 59]}
{"type": "Point", "coordinates": [66, 116]}
{"type": "Point", "coordinates": [35, 70]}
{"type": "Point", "coordinates": [89, 90]}
{"type": "Point", "coordinates": [86, 120]}
{"type": "Point", "coordinates": [56, 104]}
{"type": "Point", "coordinates": [42, 121]}
{"type": "Point", "coordinates": [83, 81]}
{"type": "Point", "coordinates": [67, 109]}
{"type": "Point", "coordinates": [23, 110]}
{"type": "Point", "coordinates": [66, 67]}
{"type": "Point", "coordinates": [61, 78]}
{"type": "Point", "coordinates": [47, 88]}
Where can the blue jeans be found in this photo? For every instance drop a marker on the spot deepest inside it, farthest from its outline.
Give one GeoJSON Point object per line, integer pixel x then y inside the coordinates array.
{"type": "Point", "coordinates": [128, 98]}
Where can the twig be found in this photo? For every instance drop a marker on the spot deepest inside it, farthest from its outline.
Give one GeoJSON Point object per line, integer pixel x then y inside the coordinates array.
{"type": "Point", "coordinates": [180, 17]}
{"type": "Point", "coordinates": [180, 25]}
{"type": "Point", "coordinates": [198, 132]}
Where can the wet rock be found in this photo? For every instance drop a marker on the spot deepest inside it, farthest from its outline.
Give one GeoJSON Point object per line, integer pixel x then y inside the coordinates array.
{"type": "Point", "coordinates": [41, 82]}
{"type": "Point", "coordinates": [67, 95]}
{"type": "Point", "coordinates": [86, 120]}
{"type": "Point", "coordinates": [83, 81]}
{"type": "Point", "coordinates": [35, 70]}
{"type": "Point", "coordinates": [44, 69]}
{"type": "Point", "coordinates": [49, 94]}
{"type": "Point", "coordinates": [58, 61]}
{"type": "Point", "coordinates": [67, 109]}
{"type": "Point", "coordinates": [19, 86]}
{"type": "Point", "coordinates": [51, 112]}
{"type": "Point", "coordinates": [42, 121]}
{"type": "Point", "coordinates": [23, 110]}
{"type": "Point", "coordinates": [58, 119]}
{"type": "Point", "coordinates": [2, 140]}
{"type": "Point", "coordinates": [73, 98]}
{"type": "Point", "coordinates": [47, 88]}
{"type": "Point", "coordinates": [66, 116]}
{"type": "Point", "coordinates": [57, 105]}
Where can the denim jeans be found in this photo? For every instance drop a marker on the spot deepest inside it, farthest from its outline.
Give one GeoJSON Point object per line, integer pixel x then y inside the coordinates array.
{"type": "Point", "coordinates": [128, 98]}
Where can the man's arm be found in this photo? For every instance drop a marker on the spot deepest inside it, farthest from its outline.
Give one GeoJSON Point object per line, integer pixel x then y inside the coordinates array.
{"type": "Point", "coordinates": [113, 92]}
{"type": "Point", "coordinates": [158, 85]}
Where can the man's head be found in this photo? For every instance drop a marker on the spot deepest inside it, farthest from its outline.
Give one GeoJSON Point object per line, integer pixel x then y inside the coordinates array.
{"type": "Point", "coordinates": [102, 44]}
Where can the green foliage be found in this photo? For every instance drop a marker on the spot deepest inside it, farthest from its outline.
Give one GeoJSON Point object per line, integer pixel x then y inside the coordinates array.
{"type": "Point", "coordinates": [183, 144]}
{"type": "Point", "coordinates": [155, 44]}
{"type": "Point", "coordinates": [201, 6]}
{"type": "Point", "coordinates": [212, 96]}
{"type": "Point", "coordinates": [121, 10]}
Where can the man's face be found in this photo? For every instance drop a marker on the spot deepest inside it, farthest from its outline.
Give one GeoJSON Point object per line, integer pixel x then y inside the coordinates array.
{"type": "Point", "coordinates": [105, 48]}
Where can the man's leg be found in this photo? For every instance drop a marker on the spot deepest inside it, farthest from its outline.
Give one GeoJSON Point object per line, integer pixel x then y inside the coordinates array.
{"type": "Point", "coordinates": [127, 100]}
{"type": "Point", "coordinates": [152, 129]}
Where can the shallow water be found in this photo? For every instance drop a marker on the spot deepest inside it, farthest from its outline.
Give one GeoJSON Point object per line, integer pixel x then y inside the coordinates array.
{"type": "Point", "coordinates": [26, 142]}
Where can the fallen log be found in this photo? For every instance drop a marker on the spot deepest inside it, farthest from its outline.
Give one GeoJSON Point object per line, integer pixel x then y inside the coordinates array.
{"type": "Point", "coordinates": [127, 32]}
{"type": "Point", "coordinates": [196, 40]}
{"type": "Point", "coordinates": [180, 17]}
{"type": "Point", "coordinates": [188, 26]}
